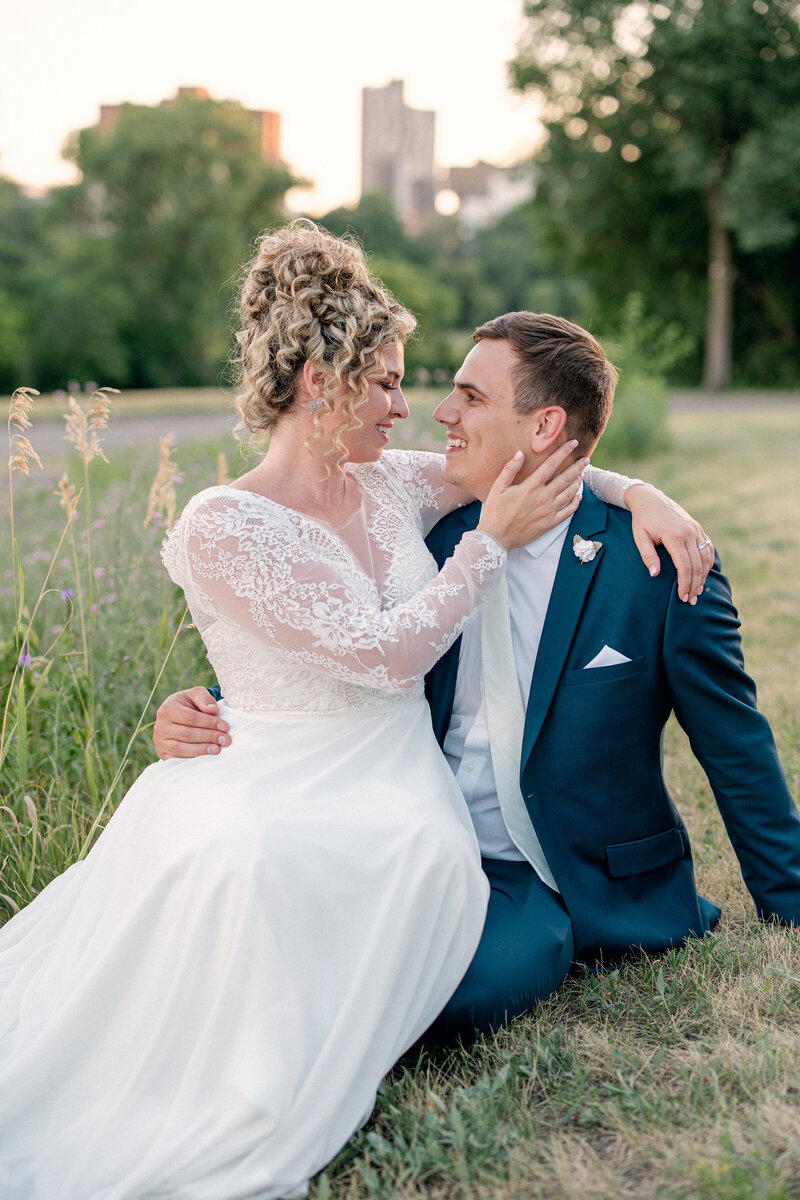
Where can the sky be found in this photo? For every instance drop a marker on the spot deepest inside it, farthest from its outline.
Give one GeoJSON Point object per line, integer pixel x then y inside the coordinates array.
{"type": "Point", "coordinates": [307, 59]}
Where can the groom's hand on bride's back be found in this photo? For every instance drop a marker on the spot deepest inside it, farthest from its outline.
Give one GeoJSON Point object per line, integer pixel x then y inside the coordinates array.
{"type": "Point", "coordinates": [188, 725]}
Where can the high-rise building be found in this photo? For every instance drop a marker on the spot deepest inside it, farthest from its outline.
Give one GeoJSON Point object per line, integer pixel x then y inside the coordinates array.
{"type": "Point", "coordinates": [397, 144]}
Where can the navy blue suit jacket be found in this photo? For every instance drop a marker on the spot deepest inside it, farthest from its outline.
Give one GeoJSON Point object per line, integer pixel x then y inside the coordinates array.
{"type": "Point", "coordinates": [591, 766]}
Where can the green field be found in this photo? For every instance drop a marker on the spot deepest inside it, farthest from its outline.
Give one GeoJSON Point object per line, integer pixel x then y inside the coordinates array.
{"type": "Point", "coordinates": [676, 1077]}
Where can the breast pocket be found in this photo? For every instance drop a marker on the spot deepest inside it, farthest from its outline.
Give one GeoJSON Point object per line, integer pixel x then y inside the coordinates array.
{"type": "Point", "coordinates": [588, 675]}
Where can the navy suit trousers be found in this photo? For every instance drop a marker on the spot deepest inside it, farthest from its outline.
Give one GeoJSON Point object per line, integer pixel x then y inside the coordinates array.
{"type": "Point", "coordinates": [525, 953]}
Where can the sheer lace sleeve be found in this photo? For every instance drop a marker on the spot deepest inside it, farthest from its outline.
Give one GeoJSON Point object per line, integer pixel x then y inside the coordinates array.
{"type": "Point", "coordinates": [418, 474]}
{"type": "Point", "coordinates": [246, 559]}
{"type": "Point", "coordinates": [609, 486]}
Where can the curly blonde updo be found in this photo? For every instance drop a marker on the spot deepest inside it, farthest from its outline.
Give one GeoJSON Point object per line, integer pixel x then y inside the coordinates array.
{"type": "Point", "coordinates": [310, 297]}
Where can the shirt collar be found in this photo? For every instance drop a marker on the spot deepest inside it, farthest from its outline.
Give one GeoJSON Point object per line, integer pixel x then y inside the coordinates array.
{"type": "Point", "coordinates": [539, 545]}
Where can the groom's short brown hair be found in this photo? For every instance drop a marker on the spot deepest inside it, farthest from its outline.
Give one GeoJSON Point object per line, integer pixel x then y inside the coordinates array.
{"type": "Point", "coordinates": [559, 363]}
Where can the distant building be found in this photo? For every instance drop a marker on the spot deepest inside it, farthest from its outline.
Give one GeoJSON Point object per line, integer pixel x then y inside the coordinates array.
{"type": "Point", "coordinates": [267, 123]}
{"type": "Point", "coordinates": [487, 191]}
{"type": "Point", "coordinates": [397, 160]}
{"type": "Point", "coordinates": [397, 147]}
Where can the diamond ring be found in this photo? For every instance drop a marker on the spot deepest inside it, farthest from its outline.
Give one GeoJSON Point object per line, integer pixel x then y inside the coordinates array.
{"type": "Point", "coordinates": [702, 545]}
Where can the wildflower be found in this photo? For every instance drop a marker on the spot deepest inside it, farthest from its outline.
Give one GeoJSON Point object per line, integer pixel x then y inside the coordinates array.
{"type": "Point", "coordinates": [25, 659]}
{"type": "Point", "coordinates": [67, 594]}
{"type": "Point", "coordinates": [73, 386]}
{"type": "Point", "coordinates": [162, 492]}
{"type": "Point", "coordinates": [99, 523]}
{"type": "Point", "coordinates": [90, 387]}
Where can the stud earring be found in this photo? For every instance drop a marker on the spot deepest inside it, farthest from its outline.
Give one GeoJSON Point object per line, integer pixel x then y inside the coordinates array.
{"type": "Point", "coordinates": [315, 405]}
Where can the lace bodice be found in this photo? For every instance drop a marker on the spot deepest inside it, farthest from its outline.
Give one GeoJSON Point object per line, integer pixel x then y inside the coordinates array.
{"type": "Point", "coordinates": [296, 615]}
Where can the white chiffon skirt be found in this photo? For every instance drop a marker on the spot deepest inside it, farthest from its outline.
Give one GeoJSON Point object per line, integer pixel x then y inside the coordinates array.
{"type": "Point", "coordinates": [204, 1007]}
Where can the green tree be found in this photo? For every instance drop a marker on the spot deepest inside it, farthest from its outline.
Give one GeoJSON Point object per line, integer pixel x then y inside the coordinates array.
{"type": "Point", "coordinates": [142, 253]}
{"type": "Point", "coordinates": [665, 118]}
{"type": "Point", "coordinates": [17, 241]}
{"type": "Point", "coordinates": [375, 224]}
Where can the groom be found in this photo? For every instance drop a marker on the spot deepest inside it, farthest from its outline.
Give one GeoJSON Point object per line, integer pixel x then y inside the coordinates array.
{"type": "Point", "coordinates": [551, 707]}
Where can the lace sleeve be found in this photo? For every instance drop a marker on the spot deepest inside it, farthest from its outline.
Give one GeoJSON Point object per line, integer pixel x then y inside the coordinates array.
{"type": "Point", "coordinates": [609, 486]}
{"type": "Point", "coordinates": [245, 559]}
{"type": "Point", "coordinates": [418, 475]}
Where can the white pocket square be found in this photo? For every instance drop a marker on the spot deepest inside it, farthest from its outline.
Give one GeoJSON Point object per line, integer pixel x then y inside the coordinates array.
{"type": "Point", "coordinates": [607, 658]}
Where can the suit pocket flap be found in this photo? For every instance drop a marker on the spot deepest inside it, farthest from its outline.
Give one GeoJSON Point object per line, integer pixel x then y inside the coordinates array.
{"type": "Point", "coordinates": [646, 854]}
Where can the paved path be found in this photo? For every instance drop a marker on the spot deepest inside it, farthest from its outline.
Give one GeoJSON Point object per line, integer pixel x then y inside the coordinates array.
{"type": "Point", "coordinates": [126, 433]}
{"type": "Point", "coordinates": [691, 400]}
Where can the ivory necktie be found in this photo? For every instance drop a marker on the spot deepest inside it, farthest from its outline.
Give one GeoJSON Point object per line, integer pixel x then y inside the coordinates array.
{"type": "Point", "coordinates": [505, 718]}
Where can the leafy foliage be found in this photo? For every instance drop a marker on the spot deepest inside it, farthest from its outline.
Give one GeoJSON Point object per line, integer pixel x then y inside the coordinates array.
{"type": "Point", "coordinates": [133, 274]}
{"type": "Point", "coordinates": [671, 125]}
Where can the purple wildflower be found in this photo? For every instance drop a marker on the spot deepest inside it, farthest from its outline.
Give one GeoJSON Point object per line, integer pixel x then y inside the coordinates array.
{"type": "Point", "coordinates": [67, 594]}
{"type": "Point", "coordinates": [25, 659]}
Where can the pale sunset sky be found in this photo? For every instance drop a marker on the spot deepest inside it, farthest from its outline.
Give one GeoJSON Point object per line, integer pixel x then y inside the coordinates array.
{"type": "Point", "coordinates": [307, 59]}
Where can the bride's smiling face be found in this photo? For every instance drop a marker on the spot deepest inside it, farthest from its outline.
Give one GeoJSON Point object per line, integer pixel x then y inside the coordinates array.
{"type": "Point", "coordinates": [385, 404]}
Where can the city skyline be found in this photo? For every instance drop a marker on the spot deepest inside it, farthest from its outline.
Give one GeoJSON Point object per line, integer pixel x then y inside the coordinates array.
{"type": "Point", "coordinates": [309, 65]}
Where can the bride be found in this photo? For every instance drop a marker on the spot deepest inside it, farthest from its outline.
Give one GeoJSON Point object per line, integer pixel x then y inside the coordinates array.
{"type": "Point", "coordinates": [204, 1007]}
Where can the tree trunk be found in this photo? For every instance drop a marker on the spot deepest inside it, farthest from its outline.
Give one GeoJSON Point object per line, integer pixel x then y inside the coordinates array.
{"type": "Point", "coordinates": [719, 317]}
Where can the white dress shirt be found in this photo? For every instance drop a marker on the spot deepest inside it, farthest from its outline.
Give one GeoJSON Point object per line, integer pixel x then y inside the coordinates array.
{"type": "Point", "coordinates": [530, 574]}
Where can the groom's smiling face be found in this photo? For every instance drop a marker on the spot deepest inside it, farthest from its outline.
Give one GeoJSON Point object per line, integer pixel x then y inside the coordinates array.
{"type": "Point", "coordinates": [484, 430]}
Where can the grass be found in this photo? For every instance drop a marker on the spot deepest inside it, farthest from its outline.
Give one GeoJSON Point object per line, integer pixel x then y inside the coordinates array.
{"type": "Point", "coordinates": [663, 1080]}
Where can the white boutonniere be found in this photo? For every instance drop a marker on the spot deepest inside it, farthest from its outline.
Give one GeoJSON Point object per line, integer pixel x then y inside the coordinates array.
{"type": "Point", "coordinates": [583, 550]}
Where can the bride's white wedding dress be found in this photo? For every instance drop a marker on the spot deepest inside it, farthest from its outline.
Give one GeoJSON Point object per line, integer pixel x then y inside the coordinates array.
{"type": "Point", "coordinates": [204, 1007]}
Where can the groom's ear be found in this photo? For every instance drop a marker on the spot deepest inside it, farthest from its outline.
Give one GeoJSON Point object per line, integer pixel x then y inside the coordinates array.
{"type": "Point", "coordinates": [547, 427]}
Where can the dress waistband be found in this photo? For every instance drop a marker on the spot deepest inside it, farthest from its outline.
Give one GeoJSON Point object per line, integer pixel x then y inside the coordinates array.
{"type": "Point", "coordinates": [372, 710]}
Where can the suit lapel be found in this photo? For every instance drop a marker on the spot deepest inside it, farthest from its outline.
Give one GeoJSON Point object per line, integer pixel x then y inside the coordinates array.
{"type": "Point", "coordinates": [570, 589]}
